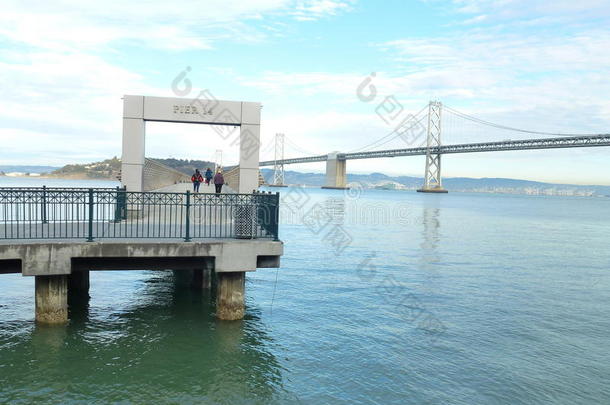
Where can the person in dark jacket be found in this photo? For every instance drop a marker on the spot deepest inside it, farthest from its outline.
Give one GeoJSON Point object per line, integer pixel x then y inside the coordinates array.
{"type": "Point", "coordinates": [219, 181]}
{"type": "Point", "coordinates": [208, 176]}
{"type": "Point", "coordinates": [196, 178]}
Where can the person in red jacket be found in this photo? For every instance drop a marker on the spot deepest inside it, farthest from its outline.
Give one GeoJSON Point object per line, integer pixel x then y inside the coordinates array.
{"type": "Point", "coordinates": [197, 179]}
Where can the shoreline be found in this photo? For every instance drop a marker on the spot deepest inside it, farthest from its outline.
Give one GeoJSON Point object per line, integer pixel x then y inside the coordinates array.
{"type": "Point", "coordinates": [541, 192]}
{"type": "Point", "coordinates": [67, 177]}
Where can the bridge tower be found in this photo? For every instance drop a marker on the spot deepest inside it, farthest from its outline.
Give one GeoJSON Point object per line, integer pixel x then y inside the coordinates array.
{"type": "Point", "coordinates": [432, 180]}
{"type": "Point", "coordinates": [218, 160]}
{"type": "Point", "coordinates": [278, 168]}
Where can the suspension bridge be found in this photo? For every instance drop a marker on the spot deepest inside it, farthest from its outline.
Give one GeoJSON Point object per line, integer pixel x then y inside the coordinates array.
{"type": "Point", "coordinates": [413, 131]}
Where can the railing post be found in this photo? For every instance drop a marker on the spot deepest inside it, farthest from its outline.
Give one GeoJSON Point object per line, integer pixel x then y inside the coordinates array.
{"type": "Point", "coordinates": [90, 237]}
{"type": "Point", "coordinates": [124, 203]}
{"type": "Point", "coordinates": [187, 236]}
{"type": "Point", "coordinates": [276, 218]}
{"type": "Point", "coordinates": [120, 211]}
{"type": "Point", "coordinates": [117, 206]}
{"type": "Point", "coordinates": [44, 205]}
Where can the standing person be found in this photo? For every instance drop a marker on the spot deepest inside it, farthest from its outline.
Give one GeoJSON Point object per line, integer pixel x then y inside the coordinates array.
{"type": "Point", "coordinates": [219, 181]}
{"type": "Point", "coordinates": [208, 176]}
{"type": "Point", "coordinates": [196, 178]}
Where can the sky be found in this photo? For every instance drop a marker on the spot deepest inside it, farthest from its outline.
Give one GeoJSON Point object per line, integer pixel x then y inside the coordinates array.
{"type": "Point", "coordinates": [536, 65]}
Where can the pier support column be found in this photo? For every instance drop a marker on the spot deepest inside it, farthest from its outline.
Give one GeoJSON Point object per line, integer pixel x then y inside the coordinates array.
{"type": "Point", "coordinates": [78, 283]}
{"type": "Point", "coordinates": [230, 295]}
{"type": "Point", "coordinates": [336, 177]}
{"type": "Point", "coordinates": [52, 299]}
{"type": "Point", "coordinates": [183, 278]}
{"type": "Point", "coordinates": [202, 279]}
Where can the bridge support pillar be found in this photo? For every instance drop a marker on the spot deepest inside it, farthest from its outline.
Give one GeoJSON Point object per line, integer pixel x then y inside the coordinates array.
{"type": "Point", "coordinates": [336, 177]}
{"type": "Point", "coordinates": [433, 180]}
{"type": "Point", "coordinates": [51, 299]}
{"type": "Point", "coordinates": [78, 283]}
{"type": "Point", "coordinates": [230, 295]}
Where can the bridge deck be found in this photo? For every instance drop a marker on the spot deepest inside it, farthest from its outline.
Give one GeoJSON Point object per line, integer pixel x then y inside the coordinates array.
{"type": "Point", "coordinates": [510, 145]}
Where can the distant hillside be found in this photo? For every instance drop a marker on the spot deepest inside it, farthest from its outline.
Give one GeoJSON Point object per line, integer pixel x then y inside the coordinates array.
{"type": "Point", "coordinates": [111, 168]}
{"type": "Point", "coordinates": [483, 185]}
{"type": "Point", "coordinates": [26, 169]}
{"type": "Point", "coordinates": [185, 165]}
{"type": "Point", "coordinates": [106, 169]}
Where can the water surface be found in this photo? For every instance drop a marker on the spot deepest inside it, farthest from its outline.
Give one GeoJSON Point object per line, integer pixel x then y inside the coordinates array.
{"type": "Point", "coordinates": [382, 297]}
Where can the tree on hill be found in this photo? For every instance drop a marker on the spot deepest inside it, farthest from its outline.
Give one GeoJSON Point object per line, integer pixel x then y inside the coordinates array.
{"type": "Point", "coordinates": [106, 169]}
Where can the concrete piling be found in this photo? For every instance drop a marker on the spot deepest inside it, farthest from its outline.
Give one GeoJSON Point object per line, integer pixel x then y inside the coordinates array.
{"type": "Point", "coordinates": [202, 279]}
{"type": "Point", "coordinates": [183, 278]}
{"type": "Point", "coordinates": [51, 299]}
{"type": "Point", "coordinates": [230, 295]}
{"type": "Point", "coordinates": [78, 283]}
{"type": "Point", "coordinates": [217, 265]}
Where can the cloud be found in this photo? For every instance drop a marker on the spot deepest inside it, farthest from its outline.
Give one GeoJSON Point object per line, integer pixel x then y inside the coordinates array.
{"type": "Point", "coordinates": [71, 25]}
{"type": "Point", "coordinates": [491, 50]}
{"type": "Point", "coordinates": [304, 83]}
{"type": "Point", "coordinates": [62, 101]}
{"type": "Point", "coordinates": [562, 72]}
{"type": "Point", "coordinates": [503, 9]}
{"type": "Point", "coordinates": [315, 9]}
{"type": "Point", "coordinates": [60, 89]}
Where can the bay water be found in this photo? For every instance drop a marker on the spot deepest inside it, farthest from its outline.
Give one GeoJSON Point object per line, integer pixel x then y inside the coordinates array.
{"type": "Point", "coordinates": [383, 297]}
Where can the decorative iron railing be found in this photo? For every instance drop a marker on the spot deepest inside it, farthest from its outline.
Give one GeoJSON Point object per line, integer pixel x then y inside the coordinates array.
{"type": "Point", "coordinates": [92, 214]}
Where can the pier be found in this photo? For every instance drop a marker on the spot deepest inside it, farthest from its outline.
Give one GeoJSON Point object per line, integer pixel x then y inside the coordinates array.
{"type": "Point", "coordinates": [151, 222]}
{"type": "Point", "coordinates": [60, 235]}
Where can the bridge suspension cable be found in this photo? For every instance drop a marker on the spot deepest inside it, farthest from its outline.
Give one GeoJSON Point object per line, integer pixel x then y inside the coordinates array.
{"type": "Point", "coordinates": [297, 148]}
{"type": "Point", "coordinates": [505, 127]}
{"type": "Point", "coordinates": [458, 124]}
{"type": "Point", "coordinates": [398, 131]}
{"type": "Point", "coordinates": [414, 124]}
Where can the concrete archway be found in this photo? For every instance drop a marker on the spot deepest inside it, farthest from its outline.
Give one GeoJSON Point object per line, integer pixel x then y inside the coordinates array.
{"type": "Point", "coordinates": [226, 116]}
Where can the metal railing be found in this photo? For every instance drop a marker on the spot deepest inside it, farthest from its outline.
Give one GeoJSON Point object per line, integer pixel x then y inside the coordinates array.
{"type": "Point", "coordinates": [92, 214]}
